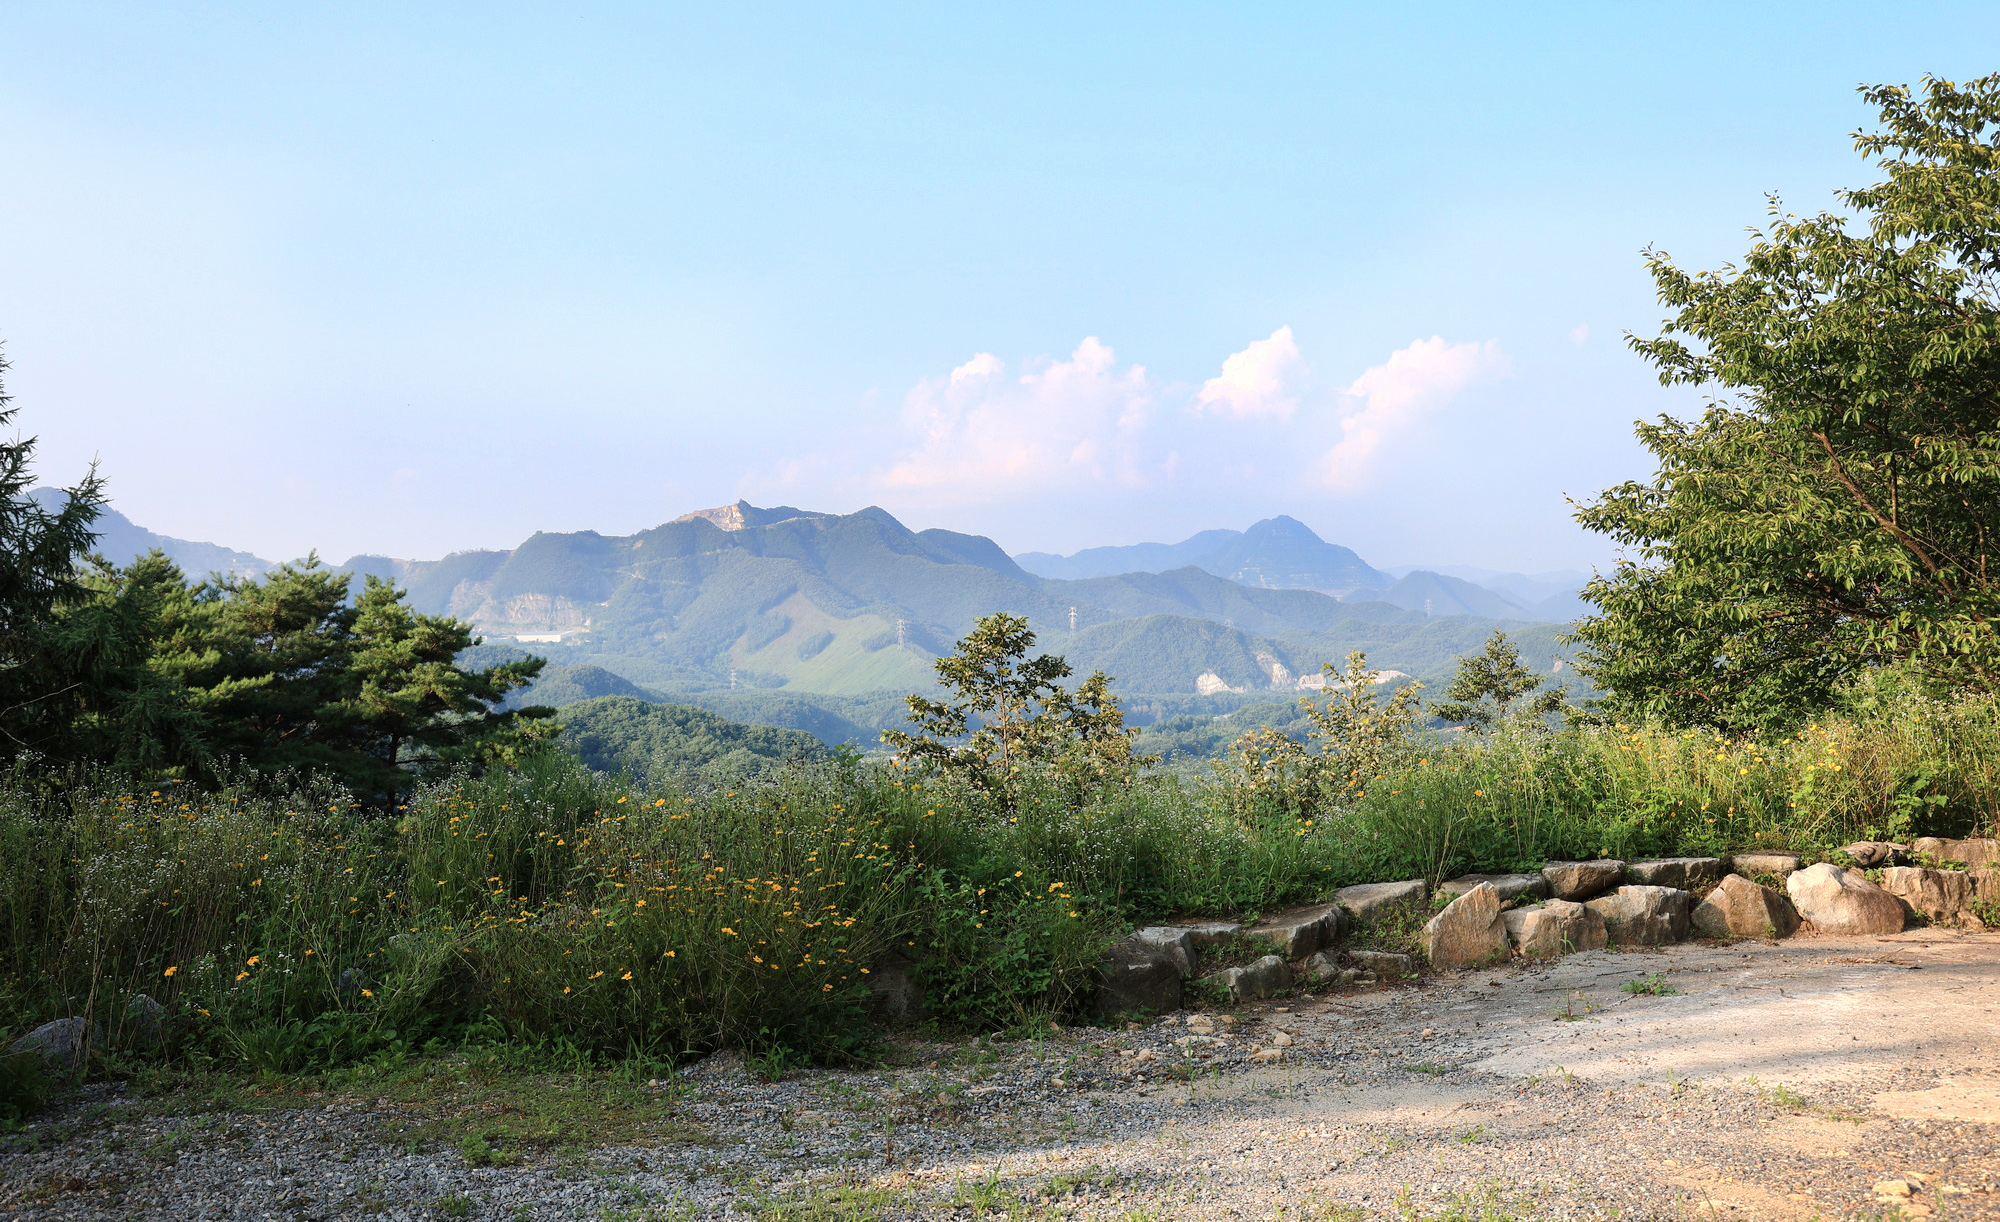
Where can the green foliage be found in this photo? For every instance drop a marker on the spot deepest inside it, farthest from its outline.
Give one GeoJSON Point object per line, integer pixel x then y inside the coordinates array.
{"type": "Point", "coordinates": [284, 673]}
{"type": "Point", "coordinates": [1488, 684]}
{"type": "Point", "coordinates": [24, 1085]}
{"type": "Point", "coordinates": [1838, 512]}
{"type": "Point", "coordinates": [1655, 985]}
{"type": "Point", "coordinates": [544, 905]}
{"type": "Point", "coordinates": [1011, 715]}
{"type": "Point", "coordinates": [59, 663]}
{"type": "Point", "coordinates": [1355, 735]}
{"type": "Point", "coordinates": [661, 741]}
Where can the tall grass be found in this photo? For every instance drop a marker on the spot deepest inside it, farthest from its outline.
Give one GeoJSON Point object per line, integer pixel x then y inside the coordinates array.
{"type": "Point", "coordinates": [554, 904]}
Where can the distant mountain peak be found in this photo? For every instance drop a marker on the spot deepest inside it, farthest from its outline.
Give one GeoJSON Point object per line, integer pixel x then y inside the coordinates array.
{"type": "Point", "coordinates": [743, 515]}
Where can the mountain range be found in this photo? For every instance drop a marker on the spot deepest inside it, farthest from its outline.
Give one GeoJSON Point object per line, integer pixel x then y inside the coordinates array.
{"type": "Point", "coordinates": [779, 602]}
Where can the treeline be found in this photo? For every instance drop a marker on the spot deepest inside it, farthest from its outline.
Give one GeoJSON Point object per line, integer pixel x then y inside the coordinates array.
{"type": "Point", "coordinates": [143, 670]}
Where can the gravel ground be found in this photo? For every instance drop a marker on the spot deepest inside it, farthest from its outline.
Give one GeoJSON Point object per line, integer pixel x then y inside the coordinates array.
{"type": "Point", "coordinates": [1783, 1080]}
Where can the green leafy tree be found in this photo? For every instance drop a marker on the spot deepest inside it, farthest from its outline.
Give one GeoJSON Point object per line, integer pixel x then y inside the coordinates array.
{"type": "Point", "coordinates": [1010, 714]}
{"type": "Point", "coordinates": [1488, 684]}
{"type": "Point", "coordinates": [1837, 507]}
{"type": "Point", "coordinates": [1355, 736]}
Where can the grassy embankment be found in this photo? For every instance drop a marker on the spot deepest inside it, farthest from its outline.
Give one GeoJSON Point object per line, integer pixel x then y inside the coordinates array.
{"type": "Point", "coordinates": [560, 908]}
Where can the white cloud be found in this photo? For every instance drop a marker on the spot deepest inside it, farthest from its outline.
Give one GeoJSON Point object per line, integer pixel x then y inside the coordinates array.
{"type": "Point", "coordinates": [1397, 394]}
{"type": "Point", "coordinates": [1253, 382]}
{"type": "Point", "coordinates": [1580, 334]}
{"type": "Point", "coordinates": [981, 432]}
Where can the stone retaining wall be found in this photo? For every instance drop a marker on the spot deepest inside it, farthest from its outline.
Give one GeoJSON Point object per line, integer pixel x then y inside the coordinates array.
{"type": "Point", "coordinates": [1567, 906]}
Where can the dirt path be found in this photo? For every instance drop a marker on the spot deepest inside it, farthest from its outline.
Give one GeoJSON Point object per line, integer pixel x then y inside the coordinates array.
{"type": "Point", "coordinates": [1780, 1080]}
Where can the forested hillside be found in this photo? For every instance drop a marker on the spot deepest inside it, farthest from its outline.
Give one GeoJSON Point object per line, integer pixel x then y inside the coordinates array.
{"type": "Point", "coordinates": [743, 599]}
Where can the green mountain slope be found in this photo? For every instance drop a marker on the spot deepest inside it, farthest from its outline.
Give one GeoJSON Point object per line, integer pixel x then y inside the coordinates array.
{"type": "Point", "coordinates": [747, 600]}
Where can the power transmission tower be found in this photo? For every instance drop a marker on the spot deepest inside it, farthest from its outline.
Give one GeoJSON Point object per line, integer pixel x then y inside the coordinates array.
{"type": "Point", "coordinates": [1072, 619]}
{"type": "Point", "coordinates": [901, 639]}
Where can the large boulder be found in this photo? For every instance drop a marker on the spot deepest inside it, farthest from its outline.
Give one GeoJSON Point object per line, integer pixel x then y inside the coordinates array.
{"type": "Point", "coordinates": [1976, 853]}
{"type": "Point", "coordinates": [1843, 902]}
{"type": "Point", "coordinates": [1508, 886]}
{"type": "Point", "coordinates": [1674, 871]}
{"type": "Point", "coordinates": [1301, 931]}
{"type": "Point", "coordinates": [1779, 864]}
{"type": "Point", "coordinates": [1644, 915]}
{"type": "Point", "coordinates": [1557, 927]}
{"type": "Point", "coordinates": [1371, 901]}
{"type": "Point", "coordinates": [1468, 932]}
{"type": "Point", "coordinates": [1941, 897]}
{"type": "Point", "coordinates": [1579, 880]}
{"type": "Point", "coordinates": [1871, 853]}
{"type": "Point", "coordinates": [64, 1045]}
{"type": "Point", "coordinates": [1253, 980]}
{"type": "Point", "coordinates": [1739, 908]}
{"type": "Point", "coordinates": [1138, 976]}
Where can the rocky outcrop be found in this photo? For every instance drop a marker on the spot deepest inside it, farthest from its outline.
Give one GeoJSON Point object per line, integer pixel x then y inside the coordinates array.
{"type": "Point", "coordinates": [1302, 931]}
{"type": "Point", "coordinates": [1678, 872]}
{"type": "Point", "coordinates": [1579, 880]}
{"type": "Point", "coordinates": [1640, 915]}
{"type": "Point", "coordinates": [1508, 886]}
{"type": "Point", "coordinates": [1739, 908]}
{"type": "Point", "coordinates": [1370, 901]}
{"type": "Point", "coordinates": [1468, 932]}
{"type": "Point", "coordinates": [1556, 927]}
{"type": "Point", "coordinates": [1843, 902]}
{"type": "Point", "coordinates": [1941, 897]}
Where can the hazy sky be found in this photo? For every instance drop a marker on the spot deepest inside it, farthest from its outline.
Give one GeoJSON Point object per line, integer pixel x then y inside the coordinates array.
{"type": "Point", "coordinates": [417, 278]}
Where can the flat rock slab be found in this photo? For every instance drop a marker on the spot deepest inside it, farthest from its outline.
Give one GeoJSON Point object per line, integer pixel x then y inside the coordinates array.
{"type": "Point", "coordinates": [1203, 934]}
{"type": "Point", "coordinates": [1980, 853]}
{"type": "Point", "coordinates": [1301, 931]}
{"type": "Point", "coordinates": [1509, 886]}
{"type": "Point", "coordinates": [1370, 901]}
{"type": "Point", "coordinates": [1779, 864]}
{"type": "Point", "coordinates": [1579, 880]}
{"type": "Point", "coordinates": [1679, 872]}
{"type": "Point", "coordinates": [1871, 853]}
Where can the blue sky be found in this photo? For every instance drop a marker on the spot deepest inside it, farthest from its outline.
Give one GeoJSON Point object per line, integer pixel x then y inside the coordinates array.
{"type": "Point", "coordinates": [412, 279]}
